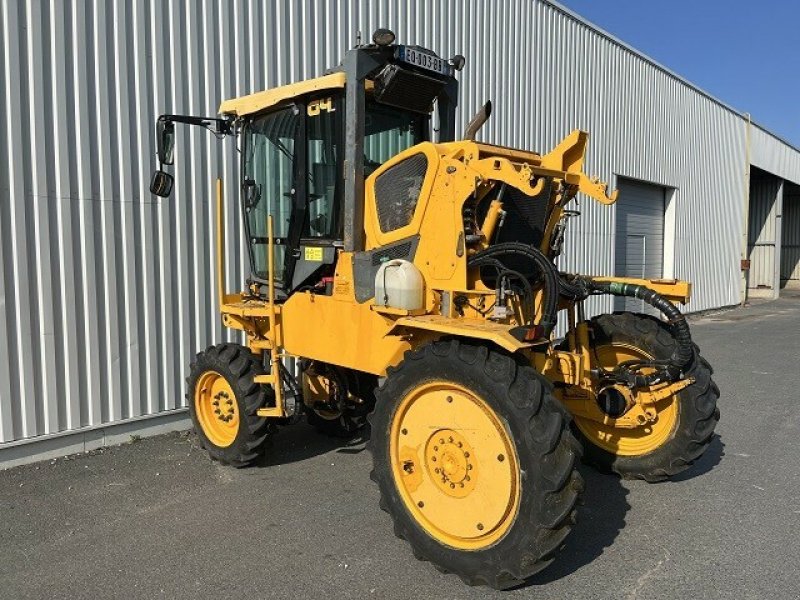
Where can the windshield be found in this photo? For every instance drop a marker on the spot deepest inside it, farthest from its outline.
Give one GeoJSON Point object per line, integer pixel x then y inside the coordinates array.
{"type": "Point", "coordinates": [269, 146]}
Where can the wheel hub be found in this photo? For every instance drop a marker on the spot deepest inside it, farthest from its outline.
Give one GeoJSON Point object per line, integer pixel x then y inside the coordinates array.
{"type": "Point", "coordinates": [216, 409]}
{"type": "Point", "coordinates": [619, 425]}
{"type": "Point", "coordinates": [455, 465]}
{"type": "Point", "coordinates": [223, 406]}
{"type": "Point", "coordinates": [451, 463]}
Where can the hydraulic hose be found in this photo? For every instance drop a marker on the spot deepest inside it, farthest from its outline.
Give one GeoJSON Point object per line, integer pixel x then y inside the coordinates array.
{"type": "Point", "coordinates": [490, 257]}
{"type": "Point", "coordinates": [673, 368]}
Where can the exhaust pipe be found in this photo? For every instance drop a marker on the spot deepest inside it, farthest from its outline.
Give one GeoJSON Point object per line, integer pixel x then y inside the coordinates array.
{"type": "Point", "coordinates": [478, 120]}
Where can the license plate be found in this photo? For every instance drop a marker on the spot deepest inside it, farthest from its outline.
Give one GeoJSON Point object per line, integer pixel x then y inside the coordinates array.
{"type": "Point", "coordinates": [423, 60]}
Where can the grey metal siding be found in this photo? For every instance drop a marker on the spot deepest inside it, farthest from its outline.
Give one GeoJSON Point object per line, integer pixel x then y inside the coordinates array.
{"type": "Point", "coordinates": [105, 292]}
{"type": "Point", "coordinates": [790, 236]}
{"type": "Point", "coordinates": [766, 194]}
{"type": "Point", "coordinates": [772, 154]}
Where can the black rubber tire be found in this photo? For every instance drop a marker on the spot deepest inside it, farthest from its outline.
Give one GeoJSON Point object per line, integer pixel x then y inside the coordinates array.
{"type": "Point", "coordinates": [538, 426]}
{"type": "Point", "coordinates": [697, 412]}
{"type": "Point", "coordinates": [239, 367]}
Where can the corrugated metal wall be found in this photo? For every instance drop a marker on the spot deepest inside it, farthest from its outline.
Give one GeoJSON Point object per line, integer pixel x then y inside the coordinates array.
{"type": "Point", "coordinates": [105, 293]}
{"type": "Point", "coordinates": [790, 236]}
{"type": "Point", "coordinates": [772, 154]}
{"type": "Point", "coordinates": [766, 199]}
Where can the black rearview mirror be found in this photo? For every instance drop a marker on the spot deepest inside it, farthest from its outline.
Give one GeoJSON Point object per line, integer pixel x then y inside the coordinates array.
{"type": "Point", "coordinates": [251, 192]}
{"type": "Point", "coordinates": [165, 138]}
{"type": "Point", "coordinates": [161, 184]}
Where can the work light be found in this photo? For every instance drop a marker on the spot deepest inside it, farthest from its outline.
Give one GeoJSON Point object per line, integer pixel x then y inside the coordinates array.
{"type": "Point", "coordinates": [383, 37]}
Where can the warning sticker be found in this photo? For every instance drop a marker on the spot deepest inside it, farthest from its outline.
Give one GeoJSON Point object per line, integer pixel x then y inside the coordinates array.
{"type": "Point", "coordinates": [313, 254]}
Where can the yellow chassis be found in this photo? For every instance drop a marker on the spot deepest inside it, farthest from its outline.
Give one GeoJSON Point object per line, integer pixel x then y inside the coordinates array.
{"type": "Point", "coordinates": [367, 337]}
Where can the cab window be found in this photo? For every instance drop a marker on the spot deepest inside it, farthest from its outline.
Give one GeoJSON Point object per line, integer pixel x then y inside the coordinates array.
{"type": "Point", "coordinates": [388, 131]}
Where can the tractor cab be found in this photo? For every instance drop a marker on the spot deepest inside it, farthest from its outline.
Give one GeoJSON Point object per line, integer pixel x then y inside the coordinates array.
{"type": "Point", "coordinates": [307, 147]}
{"type": "Point", "coordinates": [292, 169]}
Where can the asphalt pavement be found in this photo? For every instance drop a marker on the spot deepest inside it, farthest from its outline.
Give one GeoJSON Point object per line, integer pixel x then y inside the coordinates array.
{"type": "Point", "coordinates": [155, 518]}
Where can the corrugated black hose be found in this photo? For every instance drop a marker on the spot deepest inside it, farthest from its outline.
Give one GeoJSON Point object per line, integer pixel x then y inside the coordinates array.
{"type": "Point", "coordinates": [674, 367]}
{"type": "Point", "coordinates": [490, 257]}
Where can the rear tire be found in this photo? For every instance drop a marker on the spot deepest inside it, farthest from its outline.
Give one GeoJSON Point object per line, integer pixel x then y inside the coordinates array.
{"type": "Point", "coordinates": [353, 394]}
{"type": "Point", "coordinates": [697, 412]}
{"type": "Point", "coordinates": [223, 399]}
{"type": "Point", "coordinates": [542, 455]}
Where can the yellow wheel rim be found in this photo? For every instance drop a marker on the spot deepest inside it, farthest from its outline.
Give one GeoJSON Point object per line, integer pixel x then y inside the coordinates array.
{"type": "Point", "coordinates": [454, 465]}
{"type": "Point", "coordinates": [216, 409]}
{"type": "Point", "coordinates": [629, 442]}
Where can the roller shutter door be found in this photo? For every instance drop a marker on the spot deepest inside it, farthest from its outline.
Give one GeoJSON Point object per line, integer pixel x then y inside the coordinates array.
{"type": "Point", "coordinates": [639, 248]}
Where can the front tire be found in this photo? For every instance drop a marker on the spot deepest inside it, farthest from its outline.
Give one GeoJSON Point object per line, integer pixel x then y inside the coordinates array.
{"type": "Point", "coordinates": [223, 399]}
{"type": "Point", "coordinates": [475, 462]}
{"type": "Point", "coordinates": [686, 421]}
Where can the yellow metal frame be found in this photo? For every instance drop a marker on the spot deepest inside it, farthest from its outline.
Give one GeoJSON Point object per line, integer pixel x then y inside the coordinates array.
{"type": "Point", "coordinates": [339, 330]}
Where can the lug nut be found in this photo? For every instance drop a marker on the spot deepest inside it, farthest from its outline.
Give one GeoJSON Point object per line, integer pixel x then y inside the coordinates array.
{"type": "Point", "coordinates": [420, 504]}
{"type": "Point", "coordinates": [500, 457]}
{"type": "Point", "coordinates": [480, 526]}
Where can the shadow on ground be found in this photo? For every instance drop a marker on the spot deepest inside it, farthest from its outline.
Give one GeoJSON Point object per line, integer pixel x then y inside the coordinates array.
{"type": "Point", "coordinates": [601, 515]}
{"type": "Point", "coordinates": [300, 442]}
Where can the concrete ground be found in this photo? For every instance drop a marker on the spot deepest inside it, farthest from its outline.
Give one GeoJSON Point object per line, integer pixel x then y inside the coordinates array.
{"type": "Point", "coordinates": [155, 518]}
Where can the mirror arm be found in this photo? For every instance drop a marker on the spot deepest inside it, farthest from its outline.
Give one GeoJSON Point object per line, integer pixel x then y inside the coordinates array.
{"type": "Point", "coordinates": [220, 126]}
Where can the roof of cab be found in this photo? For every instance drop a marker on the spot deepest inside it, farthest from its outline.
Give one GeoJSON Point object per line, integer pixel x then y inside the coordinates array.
{"type": "Point", "coordinates": [247, 105]}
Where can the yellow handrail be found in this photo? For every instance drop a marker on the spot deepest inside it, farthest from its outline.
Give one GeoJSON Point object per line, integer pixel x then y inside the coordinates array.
{"type": "Point", "coordinates": [220, 246]}
{"type": "Point", "coordinates": [274, 355]}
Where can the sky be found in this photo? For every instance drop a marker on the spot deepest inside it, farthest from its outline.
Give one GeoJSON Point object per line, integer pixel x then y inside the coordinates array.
{"type": "Point", "coordinates": [745, 53]}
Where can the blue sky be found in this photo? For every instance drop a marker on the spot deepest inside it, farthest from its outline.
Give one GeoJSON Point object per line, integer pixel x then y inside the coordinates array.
{"type": "Point", "coordinates": [745, 53]}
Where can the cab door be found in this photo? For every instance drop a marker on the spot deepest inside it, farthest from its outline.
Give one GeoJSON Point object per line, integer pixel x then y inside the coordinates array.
{"type": "Point", "coordinates": [271, 146]}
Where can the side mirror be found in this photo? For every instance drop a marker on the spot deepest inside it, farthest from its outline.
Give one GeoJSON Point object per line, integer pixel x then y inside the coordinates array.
{"type": "Point", "coordinates": [165, 139]}
{"type": "Point", "coordinates": [161, 184]}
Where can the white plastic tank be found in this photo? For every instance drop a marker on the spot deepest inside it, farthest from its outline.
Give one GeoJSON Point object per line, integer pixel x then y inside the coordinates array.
{"type": "Point", "coordinates": [399, 284]}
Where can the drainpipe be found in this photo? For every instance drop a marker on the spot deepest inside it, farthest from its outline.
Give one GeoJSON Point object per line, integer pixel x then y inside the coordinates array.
{"type": "Point", "coordinates": [745, 265]}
